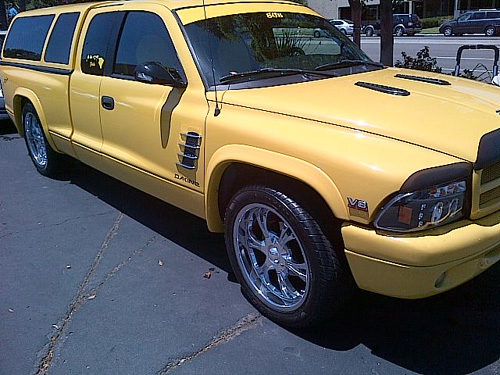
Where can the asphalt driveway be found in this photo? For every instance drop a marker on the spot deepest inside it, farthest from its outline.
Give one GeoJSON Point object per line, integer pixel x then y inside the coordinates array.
{"type": "Point", "coordinates": [99, 278]}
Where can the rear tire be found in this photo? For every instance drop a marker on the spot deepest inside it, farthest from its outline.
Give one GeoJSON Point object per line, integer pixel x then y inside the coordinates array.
{"type": "Point", "coordinates": [399, 31]}
{"type": "Point", "coordinates": [286, 266]}
{"type": "Point", "coordinates": [369, 31]}
{"type": "Point", "coordinates": [47, 161]}
{"type": "Point", "coordinates": [489, 31]}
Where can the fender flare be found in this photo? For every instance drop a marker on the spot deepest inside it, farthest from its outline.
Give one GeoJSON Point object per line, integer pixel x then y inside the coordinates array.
{"type": "Point", "coordinates": [297, 169]}
{"type": "Point", "coordinates": [20, 93]}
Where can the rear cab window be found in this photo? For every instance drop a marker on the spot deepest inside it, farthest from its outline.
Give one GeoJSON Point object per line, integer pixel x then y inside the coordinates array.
{"type": "Point", "coordinates": [27, 36]}
{"type": "Point", "coordinates": [59, 45]}
{"type": "Point", "coordinates": [45, 40]}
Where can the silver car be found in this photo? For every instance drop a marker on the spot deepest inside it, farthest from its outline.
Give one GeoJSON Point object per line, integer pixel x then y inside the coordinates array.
{"type": "Point", "coordinates": [345, 26]}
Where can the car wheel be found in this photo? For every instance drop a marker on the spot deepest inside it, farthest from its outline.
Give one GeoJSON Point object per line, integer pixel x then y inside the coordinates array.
{"type": "Point", "coordinates": [448, 31]}
{"type": "Point", "coordinates": [369, 31]}
{"type": "Point", "coordinates": [46, 160]}
{"type": "Point", "coordinates": [286, 266]}
{"type": "Point", "coordinates": [317, 34]}
{"type": "Point", "coordinates": [399, 31]}
{"type": "Point", "coordinates": [489, 31]}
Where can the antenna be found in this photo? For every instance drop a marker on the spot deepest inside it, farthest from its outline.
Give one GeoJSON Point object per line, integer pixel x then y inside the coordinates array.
{"type": "Point", "coordinates": [217, 109]}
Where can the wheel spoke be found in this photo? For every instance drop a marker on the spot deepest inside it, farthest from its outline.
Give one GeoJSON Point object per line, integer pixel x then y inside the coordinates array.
{"type": "Point", "coordinates": [288, 292]}
{"type": "Point", "coordinates": [261, 218]}
{"type": "Point", "coordinates": [297, 269]}
{"type": "Point", "coordinates": [286, 234]}
{"type": "Point", "coordinates": [248, 236]}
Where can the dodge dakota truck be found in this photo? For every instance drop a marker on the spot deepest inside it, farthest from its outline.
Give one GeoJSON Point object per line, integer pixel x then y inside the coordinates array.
{"type": "Point", "coordinates": [326, 171]}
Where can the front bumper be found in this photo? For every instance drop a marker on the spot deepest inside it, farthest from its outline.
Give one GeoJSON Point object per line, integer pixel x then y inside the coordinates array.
{"type": "Point", "coordinates": [421, 266]}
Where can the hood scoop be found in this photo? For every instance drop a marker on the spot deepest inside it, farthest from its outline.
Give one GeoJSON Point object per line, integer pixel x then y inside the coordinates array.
{"type": "Point", "coordinates": [385, 89]}
{"type": "Point", "coordinates": [434, 81]}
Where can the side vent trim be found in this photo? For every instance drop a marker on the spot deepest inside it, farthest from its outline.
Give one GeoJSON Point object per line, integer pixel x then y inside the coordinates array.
{"type": "Point", "coordinates": [189, 150]}
{"type": "Point", "coordinates": [384, 89]}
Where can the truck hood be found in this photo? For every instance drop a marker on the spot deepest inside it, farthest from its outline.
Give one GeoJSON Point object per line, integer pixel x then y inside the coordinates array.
{"type": "Point", "coordinates": [449, 118]}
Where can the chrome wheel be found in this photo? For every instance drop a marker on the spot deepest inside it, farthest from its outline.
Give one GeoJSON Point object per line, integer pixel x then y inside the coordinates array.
{"type": "Point", "coordinates": [271, 257]}
{"type": "Point", "coordinates": [447, 31]}
{"type": "Point", "coordinates": [490, 31]}
{"type": "Point", "coordinates": [35, 139]}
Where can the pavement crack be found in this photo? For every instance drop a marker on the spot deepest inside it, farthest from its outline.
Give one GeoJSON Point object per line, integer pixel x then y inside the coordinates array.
{"type": "Point", "coordinates": [249, 321]}
{"type": "Point", "coordinates": [43, 226]}
{"type": "Point", "coordinates": [78, 301]}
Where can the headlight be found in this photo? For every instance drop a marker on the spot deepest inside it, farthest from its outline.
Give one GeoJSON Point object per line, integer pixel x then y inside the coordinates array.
{"type": "Point", "coordinates": [424, 208]}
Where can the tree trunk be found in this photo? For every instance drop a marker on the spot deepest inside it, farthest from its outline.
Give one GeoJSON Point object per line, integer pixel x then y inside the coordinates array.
{"type": "Point", "coordinates": [3, 16]}
{"type": "Point", "coordinates": [356, 18]}
{"type": "Point", "coordinates": [386, 36]}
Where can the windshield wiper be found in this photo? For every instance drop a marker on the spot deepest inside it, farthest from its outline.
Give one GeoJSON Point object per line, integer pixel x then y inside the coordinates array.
{"type": "Point", "coordinates": [269, 73]}
{"type": "Point", "coordinates": [346, 64]}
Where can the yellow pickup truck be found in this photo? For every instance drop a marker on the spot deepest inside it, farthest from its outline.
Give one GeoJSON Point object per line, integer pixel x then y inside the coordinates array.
{"type": "Point", "coordinates": [324, 169]}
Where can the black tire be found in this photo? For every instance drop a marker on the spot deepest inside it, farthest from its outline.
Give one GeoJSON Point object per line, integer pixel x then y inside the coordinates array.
{"type": "Point", "coordinates": [490, 31]}
{"type": "Point", "coordinates": [369, 31]}
{"type": "Point", "coordinates": [447, 31]}
{"type": "Point", "coordinates": [317, 34]}
{"type": "Point", "coordinates": [286, 266]}
{"type": "Point", "coordinates": [47, 161]}
{"type": "Point", "coordinates": [399, 31]}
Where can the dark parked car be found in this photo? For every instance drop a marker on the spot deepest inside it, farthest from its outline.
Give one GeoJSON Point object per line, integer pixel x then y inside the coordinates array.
{"type": "Point", "coordinates": [402, 24]}
{"type": "Point", "coordinates": [480, 21]}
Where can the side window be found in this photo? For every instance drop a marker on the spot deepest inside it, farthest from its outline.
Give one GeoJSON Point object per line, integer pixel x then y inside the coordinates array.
{"type": "Point", "coordinates": [95, 48]}
{"type": "Point", "coordinates": [60, 40]}
{"type": "Point", "coordinates": [478, 16]}
{"type": "Point", "coordinates": [464, 17]}
{"type": "Point", "coordinates": [27, 37]}
{"type": "Point", "coordinates": [144, 39]}
{"type": "Point", "coordinates": [493, 15]}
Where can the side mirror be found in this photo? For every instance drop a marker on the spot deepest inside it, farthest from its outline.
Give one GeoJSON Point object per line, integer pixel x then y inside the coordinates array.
{"type": "Point", "coordinates": [153, 72]}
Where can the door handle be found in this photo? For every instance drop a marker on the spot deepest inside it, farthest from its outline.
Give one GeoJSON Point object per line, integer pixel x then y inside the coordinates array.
{"type": "Point", "coordinates": [107, 102]}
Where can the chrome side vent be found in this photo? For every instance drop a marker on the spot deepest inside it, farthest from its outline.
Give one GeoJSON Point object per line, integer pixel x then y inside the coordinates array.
{"type": "Point", "coordinates": [384, 89]}
{"type": "Point", "coordinates": [190, 150]}
{"type": "Point", "coordinates": [434, 81]}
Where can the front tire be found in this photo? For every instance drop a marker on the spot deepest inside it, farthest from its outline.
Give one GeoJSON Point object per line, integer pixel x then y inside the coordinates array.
{"type": "Point", "coordinates": [47, 161]}
{"type": "Point", "coordinates": [399, 31]}
{"type": "Point", "coordinates": [369, 31]}
{"type": "Point", "coordinates": [447, 31]}
{"type": "Point", "coordinates": [286, 266]}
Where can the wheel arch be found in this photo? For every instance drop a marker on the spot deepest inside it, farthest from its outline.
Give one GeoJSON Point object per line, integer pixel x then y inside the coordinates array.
{"type": "Point", "coordinates": [21, 97]}
{"type": "Point", "coordinates": [234, 167]}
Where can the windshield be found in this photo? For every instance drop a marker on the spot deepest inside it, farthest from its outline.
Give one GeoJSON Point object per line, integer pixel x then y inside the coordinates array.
{"type": "Point", "coordinates": [275, 44]}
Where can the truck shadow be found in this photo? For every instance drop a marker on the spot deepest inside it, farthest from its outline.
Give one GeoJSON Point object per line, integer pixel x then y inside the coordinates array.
{"type": "Point", "coordinates": [455, 333]}
{"type": "Point", "coordinates": [186, 230]}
